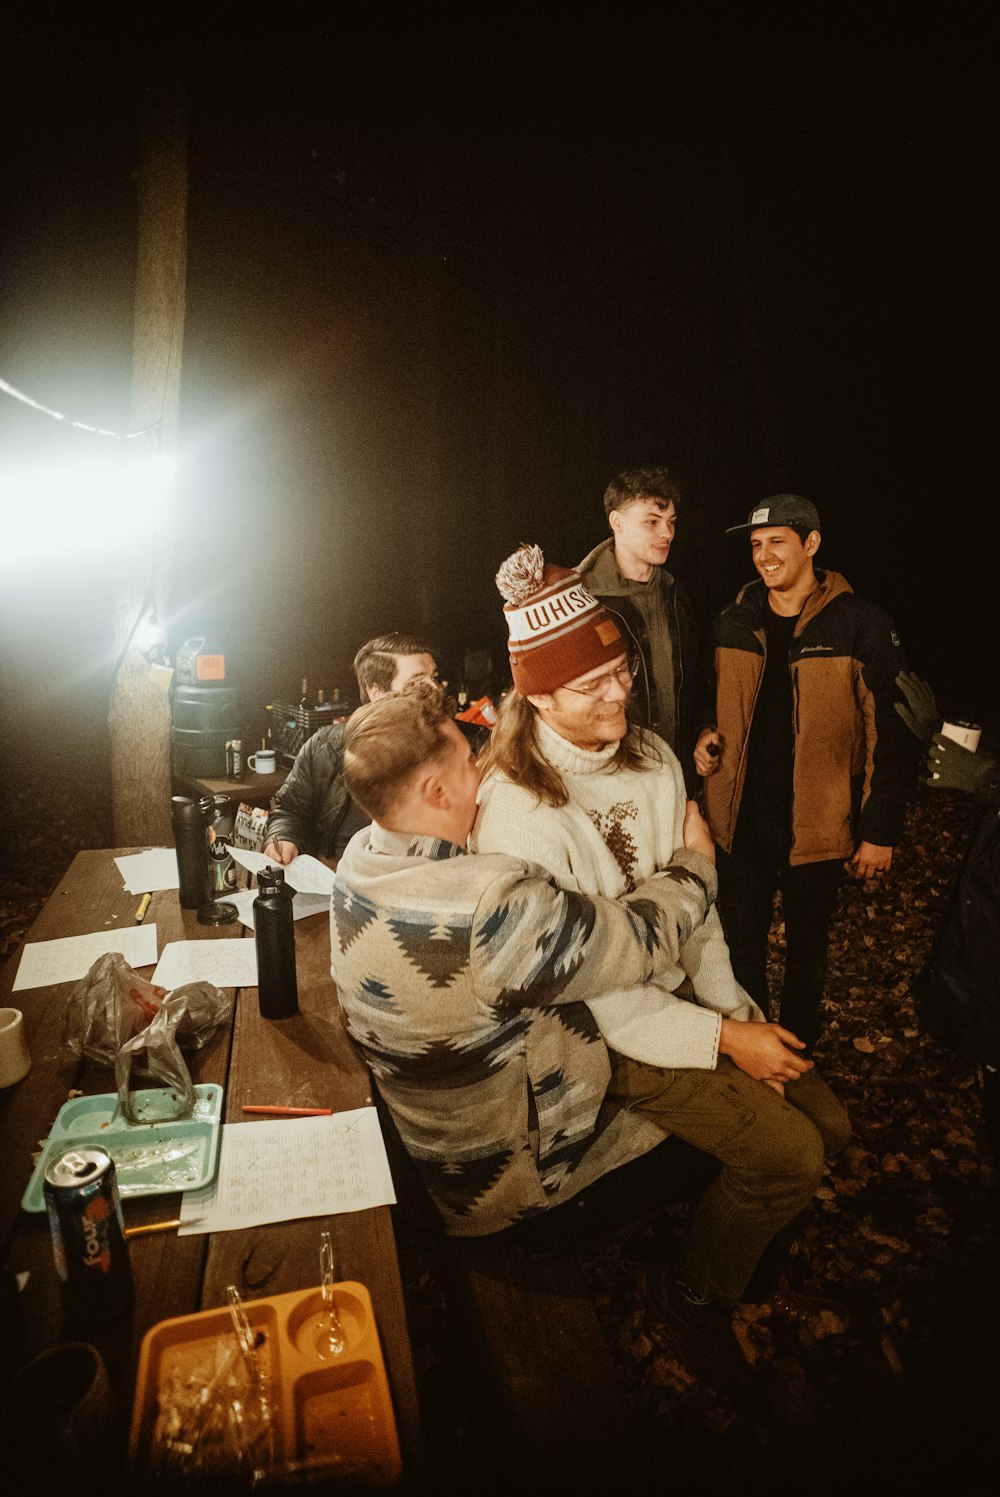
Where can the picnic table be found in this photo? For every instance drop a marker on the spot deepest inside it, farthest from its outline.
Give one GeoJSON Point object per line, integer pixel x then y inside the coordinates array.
{"type": "Point", "coordinates": [305, 1060]}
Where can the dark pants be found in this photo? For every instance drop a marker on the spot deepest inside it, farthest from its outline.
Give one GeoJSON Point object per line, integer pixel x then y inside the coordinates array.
{"type": "Point", "coordinates": [747, 887]}
{"type": "Point", "coordinates": [773, 1152]}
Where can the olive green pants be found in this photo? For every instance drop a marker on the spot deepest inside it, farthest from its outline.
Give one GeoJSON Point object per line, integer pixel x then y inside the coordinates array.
{"type": "Point", "coordinates": [773, 1153]}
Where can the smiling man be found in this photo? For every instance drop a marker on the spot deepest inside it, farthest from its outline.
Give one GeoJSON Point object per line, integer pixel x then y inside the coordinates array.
{"type": "Point", "coordinates": [599, 803]}
{"type": "Point", "coordinates": [807, 765]}
{"type": "Point", "coordinates": [313, 811]}
{"type": "Point", "coordinates": [628, 574]}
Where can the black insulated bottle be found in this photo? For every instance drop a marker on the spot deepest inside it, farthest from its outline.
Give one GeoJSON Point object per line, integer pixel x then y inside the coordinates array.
{"type": "Point", "coordinates": [190, 824]}
{"type": "Point", "coordinates": [274, 934]}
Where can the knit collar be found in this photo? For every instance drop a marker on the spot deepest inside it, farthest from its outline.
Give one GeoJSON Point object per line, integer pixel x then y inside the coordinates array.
{"type": "Point", "coordinates": [566, 757]}
{"type": "Point", "coordinates": [407, 845]}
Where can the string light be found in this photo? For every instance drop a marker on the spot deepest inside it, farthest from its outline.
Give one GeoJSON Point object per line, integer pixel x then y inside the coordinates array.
{"type": "Point", "coordinates": [99, 431]}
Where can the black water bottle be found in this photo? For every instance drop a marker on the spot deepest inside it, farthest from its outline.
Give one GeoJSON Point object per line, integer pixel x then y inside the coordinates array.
{"type": "Point", "coordinates": [274, 934]}
{"type": "Point", "coordinates": [190, 823]}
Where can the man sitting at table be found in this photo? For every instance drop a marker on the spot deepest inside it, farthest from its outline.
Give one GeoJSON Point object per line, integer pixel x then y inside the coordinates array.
{"type": "Point", "coordinates": [461, 977]}
{"type": "Point", "coordinates": [313, 811]}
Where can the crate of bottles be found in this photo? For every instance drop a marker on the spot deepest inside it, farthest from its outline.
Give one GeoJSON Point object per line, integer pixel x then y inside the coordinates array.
{"type": "Point", "coordinates": [291, 725]}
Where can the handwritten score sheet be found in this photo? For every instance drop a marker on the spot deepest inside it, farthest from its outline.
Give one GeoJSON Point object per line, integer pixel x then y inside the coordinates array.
{"type": "Point", "coordinates": [229, 964]}
{"type": "Point", "coordinates": [292, 1167]}
{"type": "Point", "coordinates": [305, 874]}
{"type": "Point", "coordinates": [69, 958]}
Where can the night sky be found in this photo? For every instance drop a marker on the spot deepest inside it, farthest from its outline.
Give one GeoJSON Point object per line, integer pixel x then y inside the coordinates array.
{"type": "Point", "coordinates": [442, 286]}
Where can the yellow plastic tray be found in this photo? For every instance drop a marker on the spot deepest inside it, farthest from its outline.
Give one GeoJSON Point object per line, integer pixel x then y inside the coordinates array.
{"type": "Point", "coordinates": [333, 1415]}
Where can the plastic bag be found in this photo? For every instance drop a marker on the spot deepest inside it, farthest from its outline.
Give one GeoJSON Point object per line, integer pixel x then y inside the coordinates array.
{"type": "Point", "coordinates": [114, 1016]}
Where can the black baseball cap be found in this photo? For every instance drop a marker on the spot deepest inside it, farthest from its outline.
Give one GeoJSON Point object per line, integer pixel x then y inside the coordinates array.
{"type": "Point", "coordinates": [780, 509]}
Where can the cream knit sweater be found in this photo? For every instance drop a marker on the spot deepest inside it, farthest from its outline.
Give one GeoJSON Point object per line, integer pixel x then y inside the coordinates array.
{"type": "Point", "coordinates": [618, 828]}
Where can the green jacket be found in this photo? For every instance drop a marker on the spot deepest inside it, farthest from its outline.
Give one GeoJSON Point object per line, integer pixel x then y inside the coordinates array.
{"type": "Point", "coordinates": [602, 577]}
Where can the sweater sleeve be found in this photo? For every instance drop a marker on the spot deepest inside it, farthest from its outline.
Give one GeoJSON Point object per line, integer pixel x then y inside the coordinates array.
{"type": "Point", "coordinates": [534, 944]}
{"type": "Point", "coordinates": [704, 957]}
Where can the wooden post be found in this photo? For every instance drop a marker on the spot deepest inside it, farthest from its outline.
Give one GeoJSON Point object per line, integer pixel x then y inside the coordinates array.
{"type": "Point", "coordinates": [139, 711]}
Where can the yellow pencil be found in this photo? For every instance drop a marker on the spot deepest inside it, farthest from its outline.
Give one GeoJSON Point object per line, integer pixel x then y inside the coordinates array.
{"type": "Point", "coordinates": [144, 1231]}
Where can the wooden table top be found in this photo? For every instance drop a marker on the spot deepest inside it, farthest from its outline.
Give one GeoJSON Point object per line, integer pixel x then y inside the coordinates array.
{"type": "Point", "coordinates": [306, 1060]}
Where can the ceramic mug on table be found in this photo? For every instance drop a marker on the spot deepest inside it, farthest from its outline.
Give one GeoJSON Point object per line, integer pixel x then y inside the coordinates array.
{"type": "Point", "coordinates": [15, 1062]}
{"type": "Point", "coordinates": [263, 761]}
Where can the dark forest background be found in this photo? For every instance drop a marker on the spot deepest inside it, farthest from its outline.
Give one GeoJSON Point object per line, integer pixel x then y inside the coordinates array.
{"type": "Point", "coordinates": [443, 283]}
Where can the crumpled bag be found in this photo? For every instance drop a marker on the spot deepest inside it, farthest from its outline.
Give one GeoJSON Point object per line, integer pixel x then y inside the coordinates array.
{"type": "Point", "coordinates": [113, 1016]}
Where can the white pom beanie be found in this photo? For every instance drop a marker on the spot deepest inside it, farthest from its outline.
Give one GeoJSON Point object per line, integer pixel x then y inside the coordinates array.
{"type": "Point", "coordinates": [558, 630]}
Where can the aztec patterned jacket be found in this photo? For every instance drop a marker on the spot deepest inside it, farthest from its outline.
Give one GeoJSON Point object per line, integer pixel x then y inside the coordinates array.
{"type": "Point", "coordinates": [853, 755]}
{"type": "Point", "coordinates": [460, 979]}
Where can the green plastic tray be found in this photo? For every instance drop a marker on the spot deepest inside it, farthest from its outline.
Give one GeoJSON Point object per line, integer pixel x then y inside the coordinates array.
{"type": "Point", "coordinates": [152, 1158]}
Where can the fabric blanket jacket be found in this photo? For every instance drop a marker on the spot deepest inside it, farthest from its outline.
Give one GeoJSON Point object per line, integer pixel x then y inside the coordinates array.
{"type": "Point", "coordinates": [312, 808]}
{"type": "Point", "coordinates": [854, 758]}
{"type": "Point", "coordinates": [958, 991]}
{"type": "Point", "coordinates": [599, 571]}
{"type": "Point", "coordinates": [619, 826]}
{"type": "Point", "coordinates": [460, 979]}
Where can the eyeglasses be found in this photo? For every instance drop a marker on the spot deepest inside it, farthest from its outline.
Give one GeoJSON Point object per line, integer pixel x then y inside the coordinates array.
{"type": "Point", "coordinates": [624, 675]}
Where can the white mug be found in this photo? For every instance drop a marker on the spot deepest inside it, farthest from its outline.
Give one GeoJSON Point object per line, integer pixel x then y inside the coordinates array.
{"type": "Point", "coordinates": [263, 761]}
{"type": "Point", "coordinates": [15, 1062]}
{"type": "Point", "coordinates": [965, 734]}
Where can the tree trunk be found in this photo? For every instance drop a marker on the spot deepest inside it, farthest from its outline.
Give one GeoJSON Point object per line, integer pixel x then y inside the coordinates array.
{"type": "Point", "coordinates": [139, 710]}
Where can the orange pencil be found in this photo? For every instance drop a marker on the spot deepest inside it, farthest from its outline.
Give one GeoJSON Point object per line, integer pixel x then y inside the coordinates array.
{"type": "Point", "coordinates": [292, 1112]}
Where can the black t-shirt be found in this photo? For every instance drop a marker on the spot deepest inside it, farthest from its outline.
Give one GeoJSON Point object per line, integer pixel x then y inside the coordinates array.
{"type": "Point", "coordinates": [765, 818]}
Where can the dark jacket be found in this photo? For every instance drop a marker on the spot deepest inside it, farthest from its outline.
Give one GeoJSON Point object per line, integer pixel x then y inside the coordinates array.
{"type": "Point", "coordinates": [600, 572]}
{"type": "Point", "coordinates": [958, 992]}
{"type": "Point", "coordinates": [312, 808]}
{"type": "Point", "coordinates": [854, 757]}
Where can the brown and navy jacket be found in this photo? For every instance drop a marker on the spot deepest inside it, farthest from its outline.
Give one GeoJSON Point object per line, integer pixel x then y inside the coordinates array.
{"type": "Point", "coordinates": [854, 758]}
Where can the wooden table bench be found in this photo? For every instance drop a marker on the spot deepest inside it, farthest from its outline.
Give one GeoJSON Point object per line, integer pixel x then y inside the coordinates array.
{"type": "Point", "coordinates": [305, 1059]}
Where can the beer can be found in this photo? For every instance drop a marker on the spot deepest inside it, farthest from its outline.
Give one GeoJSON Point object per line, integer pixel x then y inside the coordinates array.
{"type": "Point", "coordinates": [221, 868]}
{"type": "Point", "coordinates": [88, 1234]}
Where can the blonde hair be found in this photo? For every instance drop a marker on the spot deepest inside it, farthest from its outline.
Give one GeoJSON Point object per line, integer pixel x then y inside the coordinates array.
{"type": "Point", "coordinates": [513, 751]}
{"type": "Point", "coordinates": [385, 742]}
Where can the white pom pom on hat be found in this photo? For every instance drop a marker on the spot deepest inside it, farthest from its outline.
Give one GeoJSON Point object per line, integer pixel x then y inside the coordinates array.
{"type": "Point", "coordinates": [521, 574]}
{"type": "Point", "coordinates": [558, 630]}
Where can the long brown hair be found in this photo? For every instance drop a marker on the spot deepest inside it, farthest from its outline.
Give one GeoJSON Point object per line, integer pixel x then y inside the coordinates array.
{"type": "Point", "coordinates": [512, 751]}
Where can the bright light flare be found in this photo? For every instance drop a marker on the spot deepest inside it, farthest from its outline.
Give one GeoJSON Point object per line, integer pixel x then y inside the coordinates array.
{"type": "Point", "coordinates": [77, 510]}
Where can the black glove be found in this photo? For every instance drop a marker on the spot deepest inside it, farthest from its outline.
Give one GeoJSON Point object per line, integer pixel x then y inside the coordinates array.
{"type": "Point", "coordinates": [922, 715]}
{"type": "Point", "coordinates": [952, 767]}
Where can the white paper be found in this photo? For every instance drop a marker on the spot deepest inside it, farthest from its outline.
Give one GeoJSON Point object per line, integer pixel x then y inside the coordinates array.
{"type": "Point", "coordinates": [71, 957]}
{"type": "Point", "coordinates": [309, 876]}
{"type": "Point", "coordinates": [145, 872]}
{"type": "Point", "coordinates": [286, 1168]}
{"type": "Point", "coordinates": [305, 873]}
{"type": "Point", "coordinates": [302, 905]}
{"type": "Point", "coordinates": [229, 964]}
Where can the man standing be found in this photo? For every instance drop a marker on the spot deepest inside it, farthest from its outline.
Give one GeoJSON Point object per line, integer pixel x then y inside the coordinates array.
{"type": "Point", "coordinates": [628, 575]}
{"type": "Point", "coordinates": [806, 763]}
{"type": "Point", "coordinates": [313, 811]}
{"type": "Point", "coordinates": [569, 784]}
